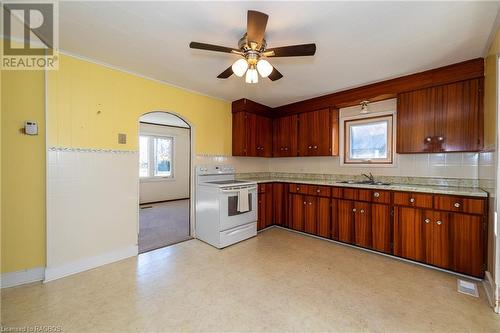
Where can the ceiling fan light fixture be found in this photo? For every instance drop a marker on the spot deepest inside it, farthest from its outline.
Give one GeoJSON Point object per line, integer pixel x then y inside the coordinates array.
{"type": "Point", "coordinates": [239, 67]}
{"type": "Point", "coordinates": [264, 68]}
{"type": "Point", "coordinates": [252, 76]}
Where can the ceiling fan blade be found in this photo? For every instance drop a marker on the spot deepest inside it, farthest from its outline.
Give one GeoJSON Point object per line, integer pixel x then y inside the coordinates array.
{"type": "Point", "coordinates": [227, 73]}
{"type": "Point", "coordinates": [256, 27]}
{"type": "Point", "coordinates": [292, 51]}
{"type": "Point", "coordinates": [211, 47]}
{"type": "Point", "coordinates": [275, 75]}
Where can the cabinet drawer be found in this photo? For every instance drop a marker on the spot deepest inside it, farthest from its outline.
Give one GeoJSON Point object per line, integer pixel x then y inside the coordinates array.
{"type": "Point", "coordinates": [459, 204]}
{"type": "Point", "coordinates": [413, 199]}
{"type": "Point", "coordinates": [298, 188]}
{"type": "Point", "coordinates": [264, 187]}
{"type": "Point", "coordinates": [337, 192]}
{"type": "Point", "coordinates": [321, 191]}
{"type": "Point", "coordinates": [379, 196]}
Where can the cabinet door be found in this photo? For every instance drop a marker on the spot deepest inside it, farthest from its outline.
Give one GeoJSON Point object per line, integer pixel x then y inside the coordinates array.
{"type": "Point", "coordinates": [264, 146]}
{"type": "Point", "coordinates": [310, 215]}
{"type": "Point", "coordinates": [381, 227]}
{"type": "Point", "coordinates": [279, 200]}
{"type": "Point", "coordinates": [239, 134]}
{"type": "Point", "coordinates": [321, 132]}
{"type": "Point", "coordinates": [415, 121]}
{"type": "Point", "coordinates": [457, 117]}
{"type": "Point", "coordinates": [285, 136]}
{"type": "Point", "coordinates": [297, 205]}
{"type": "Point", "coordinates": [362, 224]}
{"type": "Point", "coordinates": [262, 209]}
{"type": "Point", "coordinates": [269, 207]}
{"type": "Point", "coordinates": [346, 221]}
{"type": "Point", "coordinates": [467, 241]}
{"type": "Point", "coordinates": [409, 233]}
{"type": "Point", "coordinates": [251, 134]}
{"type": "Point", "coordinates": [335, 218]}
{"type": "Point", "coordinates": [437, 239]}
{"type": "Point", "coordinates": [324, 220]}
{"type": "Point", "coordinates": [305, 136]}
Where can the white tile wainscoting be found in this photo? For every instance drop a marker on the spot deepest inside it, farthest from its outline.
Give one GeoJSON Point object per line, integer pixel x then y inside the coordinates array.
{"type": "Point", "coordinates": [92, 208]}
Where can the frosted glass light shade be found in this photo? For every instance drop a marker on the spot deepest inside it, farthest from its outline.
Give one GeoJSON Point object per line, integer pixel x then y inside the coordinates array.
{"type": "Point", "coordinates": [264, 68]}
{"type": "Point", "coordinates": [252, 76]}
{"type": "Point", "coordinates": [239, 67]}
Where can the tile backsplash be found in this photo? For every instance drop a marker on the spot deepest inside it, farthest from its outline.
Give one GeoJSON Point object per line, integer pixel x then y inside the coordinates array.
{"type": "Point", "coordinates": [449, 165]}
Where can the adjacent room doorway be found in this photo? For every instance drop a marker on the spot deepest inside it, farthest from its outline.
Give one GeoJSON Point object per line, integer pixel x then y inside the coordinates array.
{"type": "Point", "coordinates": [164, 180]}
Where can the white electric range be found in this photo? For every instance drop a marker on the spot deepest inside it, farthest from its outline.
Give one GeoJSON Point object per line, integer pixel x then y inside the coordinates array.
{"type": "Point", "coordinates": [220, 221]}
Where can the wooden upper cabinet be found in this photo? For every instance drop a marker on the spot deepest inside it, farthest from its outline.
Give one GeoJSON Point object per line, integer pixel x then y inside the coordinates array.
{"type": "Point", "coordinates": [252, 135]}
{"type": "Point", "coordinates": [318, 133]}
{"type": "Point", "coordinates": [445, 118]}
{"type": "Point", "coordinates": [285, 136]}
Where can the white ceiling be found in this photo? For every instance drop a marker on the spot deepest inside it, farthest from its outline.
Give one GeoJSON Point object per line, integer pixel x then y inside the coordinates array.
{"type": "Point", "coordinates": [357, 42]}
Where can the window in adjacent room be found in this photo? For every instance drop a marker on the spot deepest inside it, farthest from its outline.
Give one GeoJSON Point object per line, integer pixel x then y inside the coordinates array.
{"type": "Point", "coordinates": [368, 140]}
{"type": "Point", "coordinates": [156, 156]}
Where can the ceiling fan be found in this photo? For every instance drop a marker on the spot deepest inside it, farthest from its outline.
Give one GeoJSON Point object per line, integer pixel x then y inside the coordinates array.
{"type": "Point", "coordinates": [253, 48]}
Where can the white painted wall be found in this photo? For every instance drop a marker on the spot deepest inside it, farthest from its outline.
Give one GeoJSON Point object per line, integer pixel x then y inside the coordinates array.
{"type": "Point", "coordinates": [153, 190]}
{"type": "Point", "coordinates": [92, 209]}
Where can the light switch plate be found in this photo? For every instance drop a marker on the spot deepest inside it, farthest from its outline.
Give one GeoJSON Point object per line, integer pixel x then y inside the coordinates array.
{"type": "Point", "coordinates": [122, 138]}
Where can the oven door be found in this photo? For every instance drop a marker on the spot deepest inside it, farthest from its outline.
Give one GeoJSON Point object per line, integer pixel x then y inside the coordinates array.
{"type": "Point", "coordinates": [229, 215]}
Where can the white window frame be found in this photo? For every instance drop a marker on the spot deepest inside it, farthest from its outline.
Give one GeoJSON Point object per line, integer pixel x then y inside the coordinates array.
{"type": "Point", "coordinates": [389, 111]}
{"type": "Point", "coordinates": [152, 157]}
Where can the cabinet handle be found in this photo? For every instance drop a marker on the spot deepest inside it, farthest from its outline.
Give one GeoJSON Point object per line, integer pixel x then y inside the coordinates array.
{"type": "Point", "coordinates": [362, 211]}
{"type": "Point", "coordinates": [298, 188]}
{"type": "Point", "coordinates": [354, 210]}
{"type": "Point", "coordinates": [457, 204]}
{"type": "Point", "coordinates": [427, 221]}
{"type": "Point", "coordinates": [305, 203]}
{"type": "Point", "coordinates": [412, 200]}
{"type": "Point", "coordinates": [310, 147]}
{"type": "Point", "coordinates": [310, 203]}
{"type": "Point", "coordinates": [281, 148]}
{"type": "Point", "coordinates": [439, 222]}
{"type": "Point", "coordinates": [440, 138]}
{"type": "Point", "coordinates": [286, 148]}
{"type": "Point", "coordinates": [428, 139]}
{"type": "Point", "coordinates": [318, 191]}
{"type": "Point", "coordinates": [315, 147]}
{"type": "Point", "coordinates": [376, 194]}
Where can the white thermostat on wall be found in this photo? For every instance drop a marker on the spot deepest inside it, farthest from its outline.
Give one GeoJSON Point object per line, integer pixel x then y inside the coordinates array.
{"type": "Point", "coordinates": [30, 127]}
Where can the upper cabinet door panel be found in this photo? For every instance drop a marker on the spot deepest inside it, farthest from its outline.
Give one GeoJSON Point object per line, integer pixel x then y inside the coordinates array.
{"type": "Point", "coordinates": [263, 129]}
{"type": "Point", "coordinates": [415, 122]}
{"type": "Point", "coordinates": [285, 136]}
{"type": "Point", "coordinates": [318, 133]}
{"type": "Point", "coordinates": [239, 134]}
{"type": "Point", "coordinates": [458, 118]}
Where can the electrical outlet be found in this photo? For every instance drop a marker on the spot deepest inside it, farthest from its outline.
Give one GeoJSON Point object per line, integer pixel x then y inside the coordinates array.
{"type": "Point", "coordinates": [122, 138]}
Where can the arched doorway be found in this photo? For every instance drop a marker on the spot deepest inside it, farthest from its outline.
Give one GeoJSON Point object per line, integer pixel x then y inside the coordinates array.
{"type": "Point", "coordinates": [164, 180]}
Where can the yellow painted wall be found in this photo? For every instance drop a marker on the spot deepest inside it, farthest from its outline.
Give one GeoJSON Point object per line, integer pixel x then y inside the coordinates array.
{"type": "Point", "coordinates": [90, 104]}
{"type": "Point", "coordinates": [22, 171]}
{"type": "Point", "coordinates": [490, 93]}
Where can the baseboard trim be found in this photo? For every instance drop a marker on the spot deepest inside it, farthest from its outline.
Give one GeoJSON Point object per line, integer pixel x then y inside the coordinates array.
{"type": "Point", "coordinates": [489, 288]}
{"type": "Point", "coordinates": [54, 273]}
{"type": "Point", "coordinates": [12, 279]}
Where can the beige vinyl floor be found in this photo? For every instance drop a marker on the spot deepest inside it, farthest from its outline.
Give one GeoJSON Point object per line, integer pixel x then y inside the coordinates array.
{"type": "Point", "coordinates": [279, 281]}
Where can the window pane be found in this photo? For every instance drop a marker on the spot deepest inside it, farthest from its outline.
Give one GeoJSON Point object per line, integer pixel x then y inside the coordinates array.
{"type": "Point", "coordinates": [368, 140]}
{"type": "Point", "coordinates": [143, 156]}
{"type": "Point", "coordinates": [163, 157]}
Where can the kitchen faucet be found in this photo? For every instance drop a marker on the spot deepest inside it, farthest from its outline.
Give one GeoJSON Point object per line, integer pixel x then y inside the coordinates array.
{"type": "Point", "coordinates": [369, 176]}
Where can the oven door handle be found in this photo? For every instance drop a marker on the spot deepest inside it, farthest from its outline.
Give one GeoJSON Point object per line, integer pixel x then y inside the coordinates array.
{"type": "Point", "coordinates": [237, 190]}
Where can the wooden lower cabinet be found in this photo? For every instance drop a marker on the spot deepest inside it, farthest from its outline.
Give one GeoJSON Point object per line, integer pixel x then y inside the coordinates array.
{"type": "Point", "coordinates": [362, 224]}
{"type": "Point", "coordinates": [265, 206]}
{"type": "Point", "coordinates": [297, 205]}
{"type": "Point", "coordinates": [381, 227]}
{"type": "Point", "coordinates": [345, 221]}
{"type": "Point", "coordinates": [437, 239]}
{"type": "Point", "coordinates": [310, 221]}
{"type": "Point", "coordinates": [409, 233]}
{"type": "Point", "coordinates": [324, 217]}
{"type": "Point", "coordinates": [279, 204]}
{"type": "Point", "coordinates": [467, 239]}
